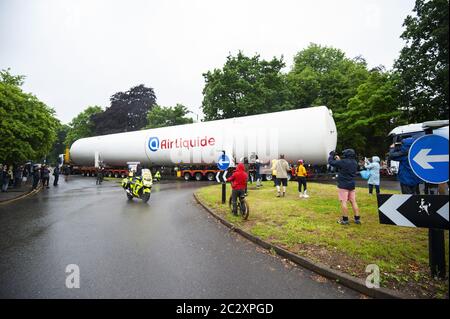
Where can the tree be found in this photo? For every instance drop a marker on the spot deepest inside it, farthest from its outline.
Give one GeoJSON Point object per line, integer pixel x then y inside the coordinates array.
{"type": "Point", "coordinates": [127, 112]}
{"type": "Point", "coordinates": [82, 125]}
{"type": "Point", "coordinates": [323, 75]}
{"type": "Point", "coordinates": [27, 125]}
{"type": "Point", "coordinates": [371, 114]}
{"type": "Point", "coordinates": [423, 62]}
{"type": "Point", "coordinates": [245, 86]}
{"type": "Point", "coordinates": [168, 116]}
{"type": "Point", "coordinates": [59, 146]}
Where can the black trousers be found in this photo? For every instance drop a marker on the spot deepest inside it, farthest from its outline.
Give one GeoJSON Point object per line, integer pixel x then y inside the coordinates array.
{"type": "Point", "coordinates": [377, 188]}
{"type": "Point", "coordinates": [55, 181]}
{"type": "Point", "coordinates": [406, 189]}
{"type": "Point", "coordinates": [301, 180]}
{"type": "Point", "coordinates": [234, 195]}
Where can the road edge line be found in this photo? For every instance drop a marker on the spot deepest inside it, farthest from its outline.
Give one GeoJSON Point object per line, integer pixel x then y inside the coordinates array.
{"type": "Point", "coordinates": [349, 281]}
{"type": "Point", "coordinates": [30, 193]}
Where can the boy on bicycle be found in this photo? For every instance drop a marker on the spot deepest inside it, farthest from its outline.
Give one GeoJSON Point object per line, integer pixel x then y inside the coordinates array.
{"type": "Point", "coordinates": [238, 184]}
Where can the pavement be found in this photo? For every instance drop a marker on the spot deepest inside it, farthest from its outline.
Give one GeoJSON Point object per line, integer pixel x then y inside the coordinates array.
{"type": "Point", "coordinates": [168, 248]}
{"type": "Point", "coordinates": [13, 192]}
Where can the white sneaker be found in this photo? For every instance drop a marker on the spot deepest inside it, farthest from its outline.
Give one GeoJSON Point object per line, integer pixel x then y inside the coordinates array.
{"type": "Point", "coordinates": [306, 196]}
{"type": "Point", "coordinates": [300, 195]}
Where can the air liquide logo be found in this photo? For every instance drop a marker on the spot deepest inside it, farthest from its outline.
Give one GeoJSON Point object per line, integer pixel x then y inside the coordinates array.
{"type": "Point", "coordinates": [153, 144]}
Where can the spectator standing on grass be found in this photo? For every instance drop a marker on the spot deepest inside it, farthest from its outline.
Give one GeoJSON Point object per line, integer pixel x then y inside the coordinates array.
{"type": "Point", "coordinates": [301, 179]}
{"type": "Point", "coordinates": [409, 182]}
{"type": "Point", "coordinates": [258, 172]}
{"type": "Point", "coordinates": [282, 169]}
{"type": "Point", "coordinates": [274, 172]}
{"type": "Point", "coordinates": [347, 169]}
{"type": "Point", "coordinates": [374, 178]}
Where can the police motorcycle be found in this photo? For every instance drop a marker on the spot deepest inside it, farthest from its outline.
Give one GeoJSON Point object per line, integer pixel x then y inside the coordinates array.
{"type": "Point", "coordinates": [139, 186]}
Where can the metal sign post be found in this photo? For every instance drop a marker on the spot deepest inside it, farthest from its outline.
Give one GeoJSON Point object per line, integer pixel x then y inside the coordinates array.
{"type": "Point", "coordinates": [428, 158]}
{"type": "Point", "coordinates": [223, 163]}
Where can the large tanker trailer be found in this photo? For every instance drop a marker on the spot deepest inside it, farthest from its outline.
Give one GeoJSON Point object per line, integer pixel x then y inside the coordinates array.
{"type": "Point", "coordinates": [309, 134]}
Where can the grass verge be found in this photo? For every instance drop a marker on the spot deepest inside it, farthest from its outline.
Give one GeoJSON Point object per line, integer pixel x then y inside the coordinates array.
{"type": "Point", "coordinates": [308, 228]}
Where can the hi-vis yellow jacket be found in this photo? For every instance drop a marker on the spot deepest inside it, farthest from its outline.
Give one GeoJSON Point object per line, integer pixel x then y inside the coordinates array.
{"type": "Point", "coordinates": [301, 171]}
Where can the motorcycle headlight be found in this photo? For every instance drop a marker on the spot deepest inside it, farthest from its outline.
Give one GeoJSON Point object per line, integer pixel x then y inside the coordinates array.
{"type": "Point", "coordinates": [147, 184]}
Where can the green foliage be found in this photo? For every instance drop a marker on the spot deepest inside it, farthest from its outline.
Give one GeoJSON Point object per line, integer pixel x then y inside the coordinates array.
{"type": "Point", "coordinates": [323, 75]}
{"type": "Point", "coordinates": [59, 146]}
{"type": "Point", "coordinates": [8, 78]}
{"type": "Point", "coordinates": [82, 125]}
{"type": "Point", "coordinates": [245, 86]}
{"type": "Point", "coordinates": [27, 125]}
{"type": "Point", "coordinates": [160, 116]}
{"type": "Point", "coordinates": [371, 114]}
{"type": "Point", "coordinates": [423, 62]}
{"type": "Point", "coordinates": [127, 112]}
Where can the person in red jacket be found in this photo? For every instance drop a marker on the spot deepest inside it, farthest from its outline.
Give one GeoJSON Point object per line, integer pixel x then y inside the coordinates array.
{"type": "Point", "coordinates": [238, 184]}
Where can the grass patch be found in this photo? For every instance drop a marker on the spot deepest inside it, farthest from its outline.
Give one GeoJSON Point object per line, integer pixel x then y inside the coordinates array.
{"type": "Point", "coordinates": [308, 227]}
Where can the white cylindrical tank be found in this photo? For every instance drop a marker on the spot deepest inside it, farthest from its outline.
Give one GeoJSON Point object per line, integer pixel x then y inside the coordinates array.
{"type": "Point", "coordinates": [308, 134]}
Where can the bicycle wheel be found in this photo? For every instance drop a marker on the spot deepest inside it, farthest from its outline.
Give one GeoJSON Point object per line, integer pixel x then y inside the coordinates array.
{"type": "Point", "coordinates": [245, 209]}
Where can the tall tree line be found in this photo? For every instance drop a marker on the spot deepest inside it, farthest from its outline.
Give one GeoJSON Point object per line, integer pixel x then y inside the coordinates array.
{"type": "Point", "coordinates": [366, 103]}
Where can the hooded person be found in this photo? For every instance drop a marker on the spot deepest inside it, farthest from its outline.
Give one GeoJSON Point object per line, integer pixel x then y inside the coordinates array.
{"type": "Point", "coordinates": [347, 170]}
{"type": "Point", "coordinates": [409, 182]}
{"type": "Point", "coordinates": [238, 185]}
{"type": "Point", "coordinates": [374, 178]}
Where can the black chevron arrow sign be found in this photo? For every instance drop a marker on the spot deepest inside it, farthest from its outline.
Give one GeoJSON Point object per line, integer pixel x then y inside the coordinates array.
{"type": "Point", "coordinates": [427, 211]}
{"type": "Point", "coordinates": [221, 176]}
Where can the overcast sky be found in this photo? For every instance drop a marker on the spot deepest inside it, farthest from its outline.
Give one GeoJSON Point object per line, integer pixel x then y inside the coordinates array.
{"type": "Point", "coordinates": [77, 53]}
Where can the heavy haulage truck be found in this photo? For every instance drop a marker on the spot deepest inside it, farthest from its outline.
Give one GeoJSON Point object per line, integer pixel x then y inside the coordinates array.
{"type": "Point", "coordinates": [308, 134]}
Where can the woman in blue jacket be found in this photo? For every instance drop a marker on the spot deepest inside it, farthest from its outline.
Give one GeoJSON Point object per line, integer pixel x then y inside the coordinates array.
{"type": "Point", "coordinates": [409, 182]}
{"type": "Point", "coordinates": [374, 169]}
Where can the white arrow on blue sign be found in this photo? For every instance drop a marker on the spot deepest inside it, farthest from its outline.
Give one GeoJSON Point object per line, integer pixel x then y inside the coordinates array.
{"type": "Point", "coordinates": [223, 162]}
{"type": "Point", "coordinates": [428, 158]}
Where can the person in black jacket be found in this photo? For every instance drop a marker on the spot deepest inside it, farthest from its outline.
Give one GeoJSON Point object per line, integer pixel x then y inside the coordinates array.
{"type": "Point", "coordinates": [347, 170]}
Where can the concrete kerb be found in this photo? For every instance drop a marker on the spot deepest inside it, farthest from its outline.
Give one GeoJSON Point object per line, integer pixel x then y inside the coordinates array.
{"type": "Point", "coordinates": [321, 269]}
{"type": "Point", "coordinates": [30, 193]}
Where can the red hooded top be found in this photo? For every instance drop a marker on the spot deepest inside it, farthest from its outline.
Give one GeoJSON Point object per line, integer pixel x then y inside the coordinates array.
{"type": "Point", "coordinates": [239, 178]}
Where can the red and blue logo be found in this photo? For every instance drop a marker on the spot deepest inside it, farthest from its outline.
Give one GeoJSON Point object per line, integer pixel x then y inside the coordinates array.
{"type": "Point", "coordinates": [153, 144]}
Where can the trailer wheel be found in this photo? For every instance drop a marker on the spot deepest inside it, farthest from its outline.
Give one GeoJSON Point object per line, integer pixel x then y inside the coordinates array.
{"type": "Point", "coordinates": [210, 176]}
{"type": "Point", "coordinates": [110, 174]}
{"type": "Point", "coordinates": [116, 175]}
{"type": "Point", "coordinates": [198, 176]}
{"type": "Point", "coordinates": [187, 176]}
{"type": "Point", "coordinates": [268, 177]}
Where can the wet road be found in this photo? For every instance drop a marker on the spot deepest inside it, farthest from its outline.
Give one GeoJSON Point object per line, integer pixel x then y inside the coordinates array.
{"type": "Point", "coordinates": [169, 248]}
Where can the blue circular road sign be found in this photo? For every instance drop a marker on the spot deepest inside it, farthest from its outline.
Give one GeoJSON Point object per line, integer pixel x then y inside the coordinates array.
{"type": "Point", "coordinates": [428, 158]}
{"type": "Point", "coordinates": [223, 162]}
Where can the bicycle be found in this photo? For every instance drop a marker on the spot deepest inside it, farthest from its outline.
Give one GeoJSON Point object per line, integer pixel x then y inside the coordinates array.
{"type": "Point", "coordinates": [243, 207]}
